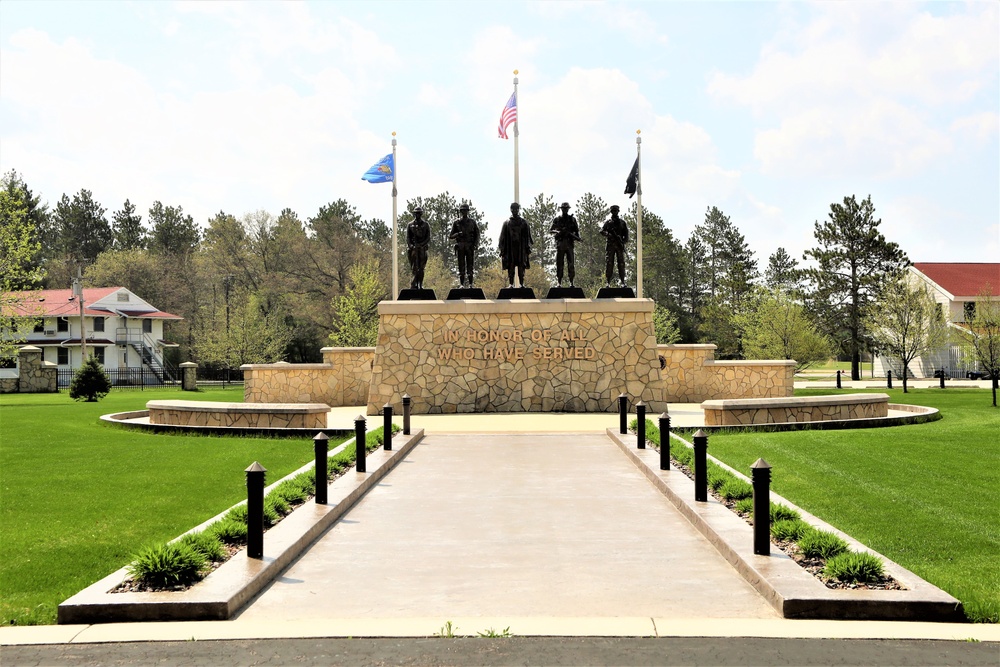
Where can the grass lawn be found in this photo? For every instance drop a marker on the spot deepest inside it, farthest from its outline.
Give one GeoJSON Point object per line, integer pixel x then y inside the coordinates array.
{"type": "Point", "coordinates": [80, 497]}
{"type": "Point", "coordinates": [927, 496]}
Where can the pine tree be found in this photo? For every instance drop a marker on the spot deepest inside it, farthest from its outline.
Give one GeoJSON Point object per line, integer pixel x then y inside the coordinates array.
{"type": "Point", "coordinates": [128, 232]}
{"type": "Point", "coordinates": [854, 263]}
{"type": "Point", "coordinates": [90, 383]}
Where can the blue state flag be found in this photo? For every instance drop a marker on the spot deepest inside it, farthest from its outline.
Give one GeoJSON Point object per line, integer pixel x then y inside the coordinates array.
{"type": "Point", "coordinates": [382, 171]}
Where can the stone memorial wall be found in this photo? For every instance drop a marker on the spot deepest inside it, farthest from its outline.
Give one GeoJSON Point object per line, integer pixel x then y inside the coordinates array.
{"type": "Point", "coordinates": [342, 379]}
{"type": "Point", "coordinates": [516, 356]}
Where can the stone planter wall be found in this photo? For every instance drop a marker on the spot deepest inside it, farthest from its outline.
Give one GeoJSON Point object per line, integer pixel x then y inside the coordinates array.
{"type": "Point", "coordinates": [516, 356]}
{"type": "Point", "coordinates": [741, 412]}
{"type": "Point", "coordinates": [342, 379]}
{"type": "Point", "coordinates": [34, 375]}
{"type": "Point", "coordinates": [692, 374]}
{"type": "Point", "coordinates": [238, 415]}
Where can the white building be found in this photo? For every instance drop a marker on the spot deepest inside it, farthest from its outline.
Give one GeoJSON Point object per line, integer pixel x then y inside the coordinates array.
{"type": "Point", "coordinates": [120, 329]}
{"type": "Point", "coordinates": [957, 287]}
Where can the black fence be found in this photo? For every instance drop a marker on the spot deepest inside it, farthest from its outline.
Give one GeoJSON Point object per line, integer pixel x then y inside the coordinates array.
{"type": "Point", "coordinates": [223, 377]}
{"type": "Point", "coordinates": [122, 378]}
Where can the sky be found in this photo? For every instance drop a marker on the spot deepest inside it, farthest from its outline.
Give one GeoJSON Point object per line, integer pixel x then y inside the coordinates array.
{"type": "Point", "coordinates": [768, 111]}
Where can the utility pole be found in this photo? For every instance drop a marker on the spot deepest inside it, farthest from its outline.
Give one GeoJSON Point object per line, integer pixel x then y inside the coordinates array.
{"type": "Point", "coordinates": [78, 293]}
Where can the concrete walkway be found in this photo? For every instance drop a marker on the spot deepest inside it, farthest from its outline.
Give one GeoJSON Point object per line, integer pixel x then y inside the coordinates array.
{"type": "Point", "coordinates": [511, 526]}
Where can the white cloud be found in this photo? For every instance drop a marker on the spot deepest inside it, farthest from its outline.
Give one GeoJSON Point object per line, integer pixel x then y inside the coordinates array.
{"type": "Point", "coordinates": [863, 87]}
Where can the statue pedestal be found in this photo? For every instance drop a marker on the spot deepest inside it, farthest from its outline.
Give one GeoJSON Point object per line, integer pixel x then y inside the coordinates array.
{"type": "Point", "coordinates": [615, 293]}
{"type": "Point", "coordinates": [516, 356]}
{"type": "Point", "coordinates": [516, 293]}
{"type": "Point", "coordinates": [412, 294]}
{"type": "Point", "coordinates": [565, 293]}
{"type": "Point", "coordinates": [460, 293]}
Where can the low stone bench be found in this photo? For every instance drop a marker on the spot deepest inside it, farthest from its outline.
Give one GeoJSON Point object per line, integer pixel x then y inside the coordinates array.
{"type": "Point", "coordinates": [239, 415]}
{"type": "Point", "coordinates": [746, 411]}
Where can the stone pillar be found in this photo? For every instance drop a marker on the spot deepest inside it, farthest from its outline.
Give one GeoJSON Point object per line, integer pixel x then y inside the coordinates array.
{"type": "Point", "coordinates": [189, 377]}
{"type": "Point", "coordinates": [36, 376]}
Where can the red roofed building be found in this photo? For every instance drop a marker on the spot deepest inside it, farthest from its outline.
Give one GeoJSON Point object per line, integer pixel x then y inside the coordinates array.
{"type": "Point", "coordinates": [122, 330]}
{"type": "Point", "coordinates": [957, 287]}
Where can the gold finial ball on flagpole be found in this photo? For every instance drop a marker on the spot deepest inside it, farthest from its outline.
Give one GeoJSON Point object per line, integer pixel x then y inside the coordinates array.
{"type": "Point", "coordinates": [637, 132]}
{"type": "Point", "coordinates": [515, 72]}
{"type": "Point", "coordinates": [393, 134]}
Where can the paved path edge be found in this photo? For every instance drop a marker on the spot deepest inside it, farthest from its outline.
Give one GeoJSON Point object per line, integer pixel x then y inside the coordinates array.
{"type": "Point", "coordinates": [792, 591]}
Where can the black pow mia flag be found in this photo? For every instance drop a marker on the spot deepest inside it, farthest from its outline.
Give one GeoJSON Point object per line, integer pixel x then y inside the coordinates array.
{"type": "Point", "coordinates": [632, 182]}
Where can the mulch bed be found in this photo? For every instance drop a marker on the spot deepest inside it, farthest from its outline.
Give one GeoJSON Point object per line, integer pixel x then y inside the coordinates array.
{"type": "Point", "coordinates": [813, 566]}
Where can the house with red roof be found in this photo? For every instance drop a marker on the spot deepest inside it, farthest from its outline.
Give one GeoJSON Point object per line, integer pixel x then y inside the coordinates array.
{"type": "Point", "coordinates": [117, 327]}
{"type": "Point", "coordinates": [957, 287]}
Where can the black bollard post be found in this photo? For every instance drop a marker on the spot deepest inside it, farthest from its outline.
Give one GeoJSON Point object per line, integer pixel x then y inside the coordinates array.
{"type": "Point", "coordinates": [622, 413]}
{"type": "Point", "coordinates": [359, 444]}
{"type": "Point", "coordinates": [942, 377]}
{"type": "Point", "coordinates": [387, 427]}
{"type": "Point", "coordinates": [406, 414]}
{"type": "Point", "coordinates": [888, 379]}
{"type": "Point", "coordinates": [640, 428]}
{"type": "Point", "coordinates": [255, 510]}
{"type": "Point", "coordinates": [664, 441]}
{"type": "Point", "coordinates": [838, 380]}
{"type": "Point", "coordinates": [700, 467]}
{"type": "Point", "coordinates": [321, 450]}
{"type": "Point", "coordinates": [760, 472]}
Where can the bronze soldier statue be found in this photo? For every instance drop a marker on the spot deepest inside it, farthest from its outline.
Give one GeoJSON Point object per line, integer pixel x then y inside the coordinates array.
{"type": "Point", "coordinates": [616, 231]}
{"type": "Point", "coordinates": [567, 233]}
{"type": "Point", "coordinates": [465, 233]}
{"type": "Point", "coordinates": [515, 245]}
{"type": "Point", "coordinates": [418, 237]}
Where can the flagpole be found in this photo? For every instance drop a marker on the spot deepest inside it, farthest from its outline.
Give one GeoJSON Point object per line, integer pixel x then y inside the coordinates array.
{"type": "Point", "coordinates": [517, 190]}
{"type": "Point", "coordinates": [638, 215]}
{"type": "Point", "coordinates": [395, 252]}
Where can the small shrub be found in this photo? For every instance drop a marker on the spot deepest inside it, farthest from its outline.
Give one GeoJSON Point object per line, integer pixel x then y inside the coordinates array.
{"type": "Point", "coordinates": [853, 566]}
{"type": "Point", "coordinates": [736, 489]}
{"type": "Point", "coordinates": [230, 531]}
{"type": "Point", "coordinates": [781, 512]}
{"type": "Point", "coordinates": [290, 491]}
{"type": "Point", "coordinates": [788, 530]}
{"type": "Point", "coordinates": [167, 566]}
{"type": "Point", "coordinates": [238, 513]}
{"type": "Point", "coordinates": [274, 503]}
{"type": "Point", "coordinates": [682, 454]}
{"type": "Point", "coordinates": [745, 506]}
{"type": "Point", "coordinates": [717, 477]}
{"type": "Point", "coordinates": [820, 544]}
{"type": "Point", "coordinates": [90, 382]}
{"type": "Point", "coordinates": [205, 543]}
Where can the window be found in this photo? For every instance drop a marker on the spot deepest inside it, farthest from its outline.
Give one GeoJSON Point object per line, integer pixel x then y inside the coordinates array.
{"type": "Point", "coordinates": [62, 356]}
{"type": "Point", "coordinates": [970, 310]}
{"type": "Point", "coordinates": [62, 324]}
{"type": "Point", "coordinates": [99, 355]}
{"type": "Point", "coordinates": [40, 326]}
{"type": "Point", "coordinates": [147, 326]}
{"type": "Point", "coordinates": [123, 296]}
{"type": "Point", "coordinates": [99, 325]}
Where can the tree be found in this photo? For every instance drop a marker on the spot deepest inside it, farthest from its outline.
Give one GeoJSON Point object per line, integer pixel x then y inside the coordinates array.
{"type": "Point", "coordinates": [665, 326]}
{"type": "Point", "coordinates": [127, 230]}
{"type": "Point", "coordinates": [854, 263]}
{"type": "Point", "coordinates": [783, 272]}
{"type": "Point", "coordinates": [539, 215]}
{"type": "Point", "coordinates": [776, 326]}
{"type": "Point", "coordinates": [982, 334]}
{"type": "Point", "coordinates": [356, 321]}
{"type": "Point", "coordinates": [135, 270]}
{"type": "Point", "coordinates": [84, 232]}
{"type": "Point", "coordinates": [907, 323]}
{"type": "Point", "coordinates": [18, 269]}
{"type": "Point", "coordinates": [248, 335]}
{"type": "Point", "coordinates": [90, 383]}
{"type": "Point", "coordinates": [36, 215]}
{"type": "Point", "coordinates": [591, 212]}
{"type": "Point", "coordinates": [172, 232]}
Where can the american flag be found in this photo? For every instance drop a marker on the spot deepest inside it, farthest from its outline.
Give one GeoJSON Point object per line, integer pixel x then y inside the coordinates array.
{"type": "Point", "coordinates": [508, 116]}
